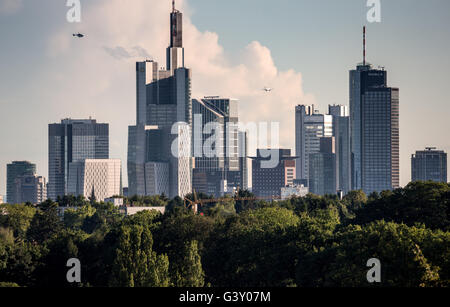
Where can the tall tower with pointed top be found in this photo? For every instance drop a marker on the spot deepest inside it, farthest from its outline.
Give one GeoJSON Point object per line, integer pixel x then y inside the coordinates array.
{"type": "Point", "coordinates": [375, 134]}
{"type": "Point", "coordinates": [175, 52]}
{"type": "Point", "coordinates": [163, 99]}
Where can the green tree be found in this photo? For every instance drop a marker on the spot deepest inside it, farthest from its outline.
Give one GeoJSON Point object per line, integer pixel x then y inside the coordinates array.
{"type": "Point", "coordinates": [74, 218]}
{"type": "Point", "coordinates": [18, 218]}
{"type": "Point", "coordinates": [190, 274]}
{"type": "Point", "coordinates": [45, 223]}
{"type": "Point", "coordinates": [135, 263]}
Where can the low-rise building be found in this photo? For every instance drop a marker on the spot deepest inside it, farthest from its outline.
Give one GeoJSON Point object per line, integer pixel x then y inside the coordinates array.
{"type": "Point", "coordinates": [134, 210]}
{"type": "Point", "coordinates": [294, 191]}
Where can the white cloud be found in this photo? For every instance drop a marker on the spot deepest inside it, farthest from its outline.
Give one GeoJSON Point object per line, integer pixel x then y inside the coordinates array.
{"type": "Point", "coordinates": [92, 82]}
{"type": "Point", "coordinates": [8, 7]}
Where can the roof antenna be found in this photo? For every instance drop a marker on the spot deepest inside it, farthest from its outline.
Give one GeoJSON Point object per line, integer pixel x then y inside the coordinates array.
{"type": "Point", "coordinates": [364, 46]}
{"type": "Point", "coordinates": [173, 6]}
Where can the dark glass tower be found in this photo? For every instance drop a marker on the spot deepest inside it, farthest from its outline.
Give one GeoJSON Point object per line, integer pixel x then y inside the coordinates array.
{"type": "Point", "coordinates": [375, 133]}
{"type": "Point", "coordinates": [73, 141]}
{"type": "Point", "coordinates": [14, 171]}
{"type": "Point", "coordinates": [429, 165]}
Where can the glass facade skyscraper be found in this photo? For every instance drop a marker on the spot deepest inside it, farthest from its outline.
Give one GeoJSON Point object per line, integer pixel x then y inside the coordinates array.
{"type": "Point", "coordinates": [341, 132]}
{"type": "Point", "coordinates": [375, 137]}
{"type": "Point", "coordinates": [163, 100]}
{"type": "Point", "coordinates": [14, 171]}
{"type": "Point", "coordinates": [429, 165]}
{"type": "Point", "coordinates": [73, 141]}
{"type": "Point", "coordinates": [218, 168]}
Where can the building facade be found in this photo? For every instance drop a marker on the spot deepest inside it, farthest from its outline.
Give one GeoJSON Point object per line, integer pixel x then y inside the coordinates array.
{"type": "Point", "coordinates": [73, 141]}
{"type": "Point", "coordinates": [268, 181]}
{"type": "Point", "coordinates": [99, 177]}
{"type": "Point", "coordinates": [375, 133]}
{"type": "Point", "coordinates": [219, 146]}
{"type": "Point", "coordinates": [310, 126]}
{"type": "Point", "coordinates": [341, 133]}
{"type": "Point", "coordinates": [14, 171]}
{"type": "Point", "coordinates": [323, 175]}
{"type": "Point", "coordinates": [162, 134]}
{"type": "Point", "coordinates": [429, 165]}
{"type": "Point", "coordinates": [31, 189]}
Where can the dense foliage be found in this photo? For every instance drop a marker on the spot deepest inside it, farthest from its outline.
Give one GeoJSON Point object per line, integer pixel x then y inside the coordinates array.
{"type": "Point", "coordinates": [305, 242]}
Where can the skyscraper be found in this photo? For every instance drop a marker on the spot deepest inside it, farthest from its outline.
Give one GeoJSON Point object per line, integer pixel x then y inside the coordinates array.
{"type": "Point", "coordinates": [375, 137]}
{"type": "Point", "coordinates": [429, 165]}
{"type": "Point", "coordinates": [322, 168]}
{"type": "Point", "coordinates": [159, 145]}
{"type": "Point", "coordinates": [310, 126]}
{"type": "Point", "coordinates": [73, 141]}
{"type": "Point", "coordinates": [341, 132]}
{"type": "Point", "coordinates": [14, 171]}
{"type": "Point", "coordinates": [217, 166]}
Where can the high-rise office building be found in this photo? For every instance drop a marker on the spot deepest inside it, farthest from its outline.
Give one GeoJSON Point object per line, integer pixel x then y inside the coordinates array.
{"type": "Point", "coordinates": [268, 181]}
{"type": "Point", "coordinates": [14, 171]}
{"type": "Point", "coordinates": [243, 160]}
{"type": "Point", "coordinates": [310, 126]}
{"type": "Point", "coordinates": [375, 133]}
{"type": "Point", "coordinates": [341, 132]}
{"type": "Point", "coordinates": [73, 141]}
{"type": "Point", "coordinates": [99, 177]}
{"type": "Point", "coordinates": [322, 168]}
{"type": "Point", "coordinates": [159, 149]}
{"type": "Point", "coordinates": [30, 189]}
{"type": "Point", "coordinates": [216, 146]}
{"type": "Point", "coordinates": [429, 165]}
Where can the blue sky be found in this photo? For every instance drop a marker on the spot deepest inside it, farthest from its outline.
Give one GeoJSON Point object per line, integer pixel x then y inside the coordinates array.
{"type": "Point", "coordinates": [46, 76]}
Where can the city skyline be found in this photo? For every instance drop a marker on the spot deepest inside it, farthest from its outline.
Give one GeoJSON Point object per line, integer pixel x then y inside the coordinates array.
{"type": "Point", "coordinates": [32, 145]}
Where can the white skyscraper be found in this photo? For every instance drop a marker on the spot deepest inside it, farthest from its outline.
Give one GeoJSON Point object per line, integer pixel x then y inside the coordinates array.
{"type": "Point", "coordinates": [103, 178]}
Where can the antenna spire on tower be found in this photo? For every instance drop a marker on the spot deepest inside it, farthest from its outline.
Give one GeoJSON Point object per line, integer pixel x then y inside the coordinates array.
{"type": "Point", "coordinates": [173, 5]}
{"type": "Point", "coordinates": [364, 46]}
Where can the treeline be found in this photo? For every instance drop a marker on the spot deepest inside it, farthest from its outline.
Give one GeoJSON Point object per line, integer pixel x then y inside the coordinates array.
{"type": "Point", "coordinates": [304, 242]}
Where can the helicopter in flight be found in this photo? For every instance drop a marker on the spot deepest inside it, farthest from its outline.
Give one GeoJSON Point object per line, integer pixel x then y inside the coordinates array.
{"type": "Point", "coordinates": [267, 89]}
{"type": "Point", "coordinates": [79, 35]}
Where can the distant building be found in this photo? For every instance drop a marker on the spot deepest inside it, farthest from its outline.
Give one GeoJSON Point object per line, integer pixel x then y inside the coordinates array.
{"type": "Point", "coordinates": [73, 141]}
{"type": "Point", "coordinates": [294, 191]}
{"type": "Point", "coordinates": [341, 133]}
{"type": "Point", "coordinates": [125, 192]}
{"type": "Point", "coordinates": [163, 101]}
{"type": "Point", "coordinates": [134, 210]}
{"type": "Point", "coordinates": [103, 178]}
{"type": "Point", "coordinates": [1, 199]}
{"type": "Point", "coordinates": [14, 171]}
{"type": "Point", "coordinates": [310, 126]}
{"type": "Point", "coordinates": [429, 165]}
{"type": "Point", "coordinates": [221, 171]}
{"type": "Point", "coordinates": [268, 181]}
{"type": "Point", "coordinates": [322, 165]}
{"type": "Point", "coordinates": [116, 201]}
{"type": "Point", "coordinates": [30, 188]}
{"type": "Point", "coordinates": [375, 133]}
